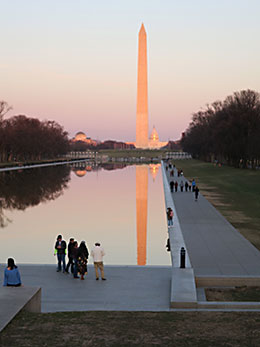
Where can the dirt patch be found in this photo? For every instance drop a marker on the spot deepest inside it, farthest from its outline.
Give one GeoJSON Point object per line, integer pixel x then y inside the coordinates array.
{"type": "Point", "coordinates": [210, 193]}
{"type": "Point", "coordinates": [233, 294]}
{"type": "Point", "coordinates": [237, 217]}
{"type": "Point", "coordinates": [133, 329]}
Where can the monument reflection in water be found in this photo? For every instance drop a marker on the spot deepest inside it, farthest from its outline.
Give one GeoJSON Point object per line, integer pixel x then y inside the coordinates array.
{"type": "Point", "coordinates": [91, 203]}
{"type": "Point", "coordinates": [141, 208]}
{"type": "Point", "coordinates": [141, 212]}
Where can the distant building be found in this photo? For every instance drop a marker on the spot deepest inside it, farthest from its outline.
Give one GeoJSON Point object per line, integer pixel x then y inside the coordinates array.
{"type": "Point", "coordinates": [80, 136]}
{"type": "Point", "coordinates": [110, 144]}
{"type": "Point", "coordinates": [80, 169]}
{"type": "Point", "coordinates": [154, 142]}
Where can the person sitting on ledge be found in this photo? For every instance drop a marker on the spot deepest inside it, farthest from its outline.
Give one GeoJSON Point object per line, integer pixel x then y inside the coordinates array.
{"type": "Point", "coordinates": [12, 276]}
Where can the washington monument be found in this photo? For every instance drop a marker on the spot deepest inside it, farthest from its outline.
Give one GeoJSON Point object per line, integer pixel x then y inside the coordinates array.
{"type": "Point", "coordinates": [142, 97]}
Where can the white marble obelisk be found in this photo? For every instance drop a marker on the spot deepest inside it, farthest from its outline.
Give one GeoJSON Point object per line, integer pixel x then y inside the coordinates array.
{"type": "Point", "coordinates": [142, 93]}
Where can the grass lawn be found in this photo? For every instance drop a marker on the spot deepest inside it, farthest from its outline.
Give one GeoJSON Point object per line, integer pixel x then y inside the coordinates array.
{"type": "Point", "coordinates": [133, 329]}
{"type": "Point", "coordinates": [234, 192]}
{"type": "Point", "coordinates": [31, 162]}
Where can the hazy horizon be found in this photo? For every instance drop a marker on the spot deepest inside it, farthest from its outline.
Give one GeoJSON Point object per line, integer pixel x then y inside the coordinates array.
{"type": "Point", "coordinates": [76, 62]}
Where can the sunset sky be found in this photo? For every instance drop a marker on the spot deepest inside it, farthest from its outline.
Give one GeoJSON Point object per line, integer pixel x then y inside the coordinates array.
{"type": "Point", "coordinates": [75, 61]}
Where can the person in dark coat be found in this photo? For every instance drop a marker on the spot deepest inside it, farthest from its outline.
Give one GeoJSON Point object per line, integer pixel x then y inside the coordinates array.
{"type": "Point", "coordinates": [70, 262]}
{"type": "Point", "coordinates": [82, 259]}
{"type": "Point", "coordinates": [172, 186]}
{"type": "Point", "coordinates": [60, 250]}
{"type": "Point", "coordinates": [74, 254]}
{"type": "Point", "coordinates": [196, 191]}
{"type": "Point", "coordinates": [186, 186]}
{"type": "Point", "coordinates": [176, 186]}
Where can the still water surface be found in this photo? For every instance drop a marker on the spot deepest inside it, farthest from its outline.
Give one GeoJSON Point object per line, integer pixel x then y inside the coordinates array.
{"type": "Point", "coordinates": [120, 207]}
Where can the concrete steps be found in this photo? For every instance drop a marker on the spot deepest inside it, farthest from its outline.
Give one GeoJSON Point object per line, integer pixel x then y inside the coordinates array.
{"type": "Point", "coordinates": [15, 299]}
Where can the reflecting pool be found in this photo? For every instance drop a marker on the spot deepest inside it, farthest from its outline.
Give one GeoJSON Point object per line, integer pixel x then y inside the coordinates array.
{"type": "Point", "coordinates": [122, 207]}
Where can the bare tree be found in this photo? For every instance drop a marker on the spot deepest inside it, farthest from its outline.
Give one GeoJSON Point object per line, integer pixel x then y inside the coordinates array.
{"type": "Point", "coordinates": [4, 108]}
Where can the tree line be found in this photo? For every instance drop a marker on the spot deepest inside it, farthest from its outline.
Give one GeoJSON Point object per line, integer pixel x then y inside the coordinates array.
{"type": "Point", "coordinates": [227, 132]}
{"type": "Point", "coordinates": [81, 146]}
{"type": "Point", "coordinates": [23, 138]}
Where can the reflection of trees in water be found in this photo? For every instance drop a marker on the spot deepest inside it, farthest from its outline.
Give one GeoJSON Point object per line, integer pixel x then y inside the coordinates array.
{"type": "Point", "coordinates": [26, 188]}
{"type": "Point", "coordinates": [80, 169]}
{"type": "Point", "coordinates": [114, 166]}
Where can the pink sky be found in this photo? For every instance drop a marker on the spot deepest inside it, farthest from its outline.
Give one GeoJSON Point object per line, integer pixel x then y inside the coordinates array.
{"type": "Point", "coordinates": [76, 62]}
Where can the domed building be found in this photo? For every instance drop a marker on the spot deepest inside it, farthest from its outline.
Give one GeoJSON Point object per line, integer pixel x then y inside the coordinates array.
{"type": "Point", "coordinates": [154, 168]}
{"type": "Point", "coordinates": [80, 173]}
{"type": "Point", "coordinates": [153, 142]}
{"type": "Point", "coordinates": [154, 135]}
{"type": "Point", "coordinates": [80, 136]}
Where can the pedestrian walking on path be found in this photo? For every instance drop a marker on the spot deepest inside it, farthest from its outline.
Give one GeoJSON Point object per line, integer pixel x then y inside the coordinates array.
{"type": "Point", "coordinates": [172, 186]}
{"type": "Point", "coordinates": [193, 184]}
{"type": "Point", "coordinates": [12, 276]}
{"type": "Point", "coordinates": [186, 186]}
{"type": "Point", "coordinates": [196, 191]}
{"type": "Point", "coordinates": [70, 262]}
{"type": "Point", "coordinates": [176, 186]}
{"type": "Point", "coordinates": [169, 216]}
{"type": "Point", "coordinates": [98, 253]}
{"type": "Point", "coordinates": [82, 259]}
{"type": "Point", "coordinates": [182, 185]}
{"type": "Point", "coordinates": [60, 250]}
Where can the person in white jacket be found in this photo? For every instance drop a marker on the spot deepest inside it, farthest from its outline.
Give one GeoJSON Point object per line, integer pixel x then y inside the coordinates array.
{"type": "Point", "coordinates": [98, 253]}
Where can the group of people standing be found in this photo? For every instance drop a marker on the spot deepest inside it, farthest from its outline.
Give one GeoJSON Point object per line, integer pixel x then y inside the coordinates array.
{"type": "Point", "coordinates": [78, 257]}
{"type": "Point", "coordinates": [174, 186]}
{"type": "Point", "coordinates": [77, 261]}
{"type": "Point", "coordinates": [187, 186]}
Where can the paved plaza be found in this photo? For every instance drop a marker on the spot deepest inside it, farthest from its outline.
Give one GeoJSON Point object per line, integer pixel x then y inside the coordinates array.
{"type": "Point", "coordinates": [127, 288]}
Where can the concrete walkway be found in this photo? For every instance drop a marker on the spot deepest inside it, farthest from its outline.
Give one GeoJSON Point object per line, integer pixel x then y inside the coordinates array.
{"type": "Point", "coordinates": [128, 288]}
{"type": "Point", "coordinates": [214, 246]}
{"type": "Point", "coordinates": [32, 166]}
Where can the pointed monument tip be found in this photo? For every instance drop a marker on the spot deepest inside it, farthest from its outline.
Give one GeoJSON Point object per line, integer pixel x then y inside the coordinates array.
{"type": "Point", "coordinates": [142, 27]}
